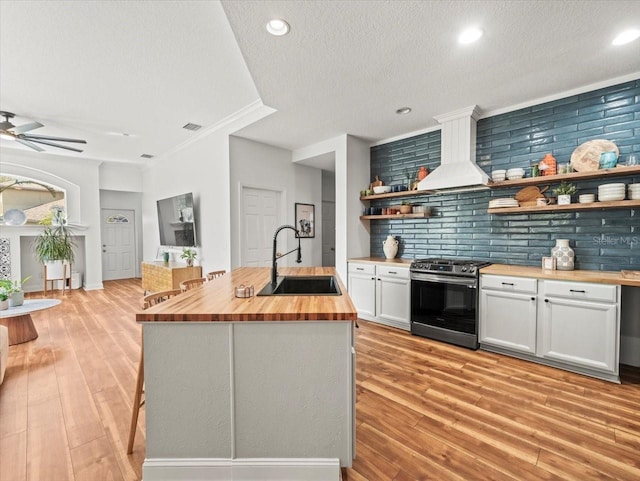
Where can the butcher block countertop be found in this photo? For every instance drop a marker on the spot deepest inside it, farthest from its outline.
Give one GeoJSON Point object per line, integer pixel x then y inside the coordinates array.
{"type": "Point", "coordinates": [602, 277]}
{"type": "Point", "coordinates": [216, 301]}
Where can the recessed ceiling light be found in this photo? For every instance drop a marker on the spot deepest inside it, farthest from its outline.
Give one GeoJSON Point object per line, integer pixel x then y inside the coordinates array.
{"type": "Point", "coordinates": [470, 35]}
{"type": "Point", "coordinates": [403, 110]}
{"type": "Point", "coordinates": [626, 36]}
{"type": "Point", "coordinates": [147, 156]}
{"type": "Point", "coordinates": [277, 27]}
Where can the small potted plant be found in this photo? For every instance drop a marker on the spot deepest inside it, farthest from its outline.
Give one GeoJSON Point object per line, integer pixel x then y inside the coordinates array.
{"type": "Point", "coordinates": [406, 207]}
{"type": "Point", "coordinates": [189, 255]}
{"type": "Point", "coordinates": [564, 192]}
{"type": "Point", "coordinates": [16, 297]}
{"type": "Point", "coordinates": [5, 292]}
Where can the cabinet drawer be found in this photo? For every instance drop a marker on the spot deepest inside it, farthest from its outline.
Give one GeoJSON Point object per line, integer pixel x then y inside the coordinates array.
{"type": "Point", "coordinates": [393, 271]}
{"type": "Point", "coordinates": [362, 268]}
{"type": "Point", "coordinates": [509, 284]}
{"type": "Point", "coordinates": [581, 291]}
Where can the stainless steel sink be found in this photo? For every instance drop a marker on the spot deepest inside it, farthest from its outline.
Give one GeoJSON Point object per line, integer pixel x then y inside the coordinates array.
{"type": "Point", "coordinates": [302, 286]}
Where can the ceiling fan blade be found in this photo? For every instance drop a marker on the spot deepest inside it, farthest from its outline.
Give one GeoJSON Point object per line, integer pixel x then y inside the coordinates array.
{"type": "Point", "coordinates": [27, 127]}
{"type": "Point", "coordinates": [30, 145]}
{"type": "Point", "coordinates": [46, 142]}
{"type": "Point", "coordinates": [46, 137]}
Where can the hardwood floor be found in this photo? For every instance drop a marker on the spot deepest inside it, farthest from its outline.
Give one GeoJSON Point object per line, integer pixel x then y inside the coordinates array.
{"type": "Point", "coordinates": [425, 410]}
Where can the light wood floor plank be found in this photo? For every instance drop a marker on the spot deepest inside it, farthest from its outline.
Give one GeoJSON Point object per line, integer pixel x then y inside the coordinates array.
{"type": "Point", "coordinates": [13, 457]}
{"type": "Point", "coordinates": [95, 461]}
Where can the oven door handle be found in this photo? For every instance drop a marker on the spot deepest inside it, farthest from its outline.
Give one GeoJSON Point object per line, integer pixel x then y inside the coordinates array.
{"type": "Point", "coordinates": [471, 283]}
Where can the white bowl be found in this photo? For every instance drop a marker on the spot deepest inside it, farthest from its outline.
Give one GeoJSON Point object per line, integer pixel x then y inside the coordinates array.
{"type": "Point", "coordinates": [607, 186]}
{"type": "Point", "coordinates": [610, 197]}
{"type": "Point", "coordinates": [515, 170]}
{"type": "Point", "coordinates": [381, 189]}
{"type": "Point", "coordinates": [586, 198]}
{"type": "Point", "coordinates": [515, 176]}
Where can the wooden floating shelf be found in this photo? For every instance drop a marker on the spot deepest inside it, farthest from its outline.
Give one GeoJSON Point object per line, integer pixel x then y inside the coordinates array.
{"type": "Point", "coordinates": [620, 204]}
{"type": "Point", "coordinates": [545, 179]}
{"type": "Point", "coordinates": [396, 216]}
{"type": "Point", "coordinates": [391, 195]}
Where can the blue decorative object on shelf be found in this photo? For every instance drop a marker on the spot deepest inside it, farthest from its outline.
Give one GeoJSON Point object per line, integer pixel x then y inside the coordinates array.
{"type": "Point", "coordinates": [608, 160]}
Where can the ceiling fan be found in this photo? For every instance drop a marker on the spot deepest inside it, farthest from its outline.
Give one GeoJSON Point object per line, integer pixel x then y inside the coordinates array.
{"type": "Point", "coordinates": [7, 129]}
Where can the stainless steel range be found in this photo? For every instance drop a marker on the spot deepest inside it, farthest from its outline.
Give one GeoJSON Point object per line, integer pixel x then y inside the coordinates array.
{"type": "Point", "coordinates": [444, 300]}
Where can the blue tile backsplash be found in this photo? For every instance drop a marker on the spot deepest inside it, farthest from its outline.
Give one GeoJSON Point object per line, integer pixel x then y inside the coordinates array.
{"type": "Point", "coordinates": [460, 225]}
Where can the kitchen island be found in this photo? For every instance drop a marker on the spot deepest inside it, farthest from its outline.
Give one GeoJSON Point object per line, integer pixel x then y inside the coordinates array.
{"type": "Point", "coordinates": [249, 388]}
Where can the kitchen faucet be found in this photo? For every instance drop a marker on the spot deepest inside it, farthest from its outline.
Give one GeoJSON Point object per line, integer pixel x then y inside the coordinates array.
{"type": "Point", "coordinates": [274, 268]}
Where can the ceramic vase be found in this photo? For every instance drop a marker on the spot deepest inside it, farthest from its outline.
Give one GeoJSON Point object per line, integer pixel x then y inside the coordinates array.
{"type": "Point", "coordinates": [565, 257]}
{"type": "Point", "coordinates": [390, 247]}
{"type": "Point", "coordinates": [564, 199]}
{"type": "Point", "coordinates": [4, 305]}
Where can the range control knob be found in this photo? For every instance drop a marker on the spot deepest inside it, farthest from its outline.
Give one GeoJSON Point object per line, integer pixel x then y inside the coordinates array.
{"type": "Point", "coordinates": [464, 268]}
{"type": "Point", "coordinates": [472, 269]}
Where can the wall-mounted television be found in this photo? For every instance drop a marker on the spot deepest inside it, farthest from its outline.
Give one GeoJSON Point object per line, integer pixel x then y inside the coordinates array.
{"type": "Point", "coordinates": [176, 221]}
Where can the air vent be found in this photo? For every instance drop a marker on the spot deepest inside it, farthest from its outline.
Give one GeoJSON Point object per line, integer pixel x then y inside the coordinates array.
{"type": "Point", "coordinates": [147, 156]}
{"type": "Point", "coordinates": [192, 127]}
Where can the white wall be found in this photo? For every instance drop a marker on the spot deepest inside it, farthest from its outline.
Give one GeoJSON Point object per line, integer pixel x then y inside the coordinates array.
{"type": "Point", "coordinates": [121, 177]}
{"type": "Point", "coordinates": [79, 177]}
{"type": "Point", "coordinates": [201, 167]}
{"type": "Point", "coordinates": [352, 160]}
{"type": "Point", "coordinates": [258, 165]}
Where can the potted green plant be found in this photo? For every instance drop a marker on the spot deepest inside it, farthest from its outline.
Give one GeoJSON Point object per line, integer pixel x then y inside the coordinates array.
{"type": "Point", "coordinates": [16, 297]}
{"type": "Point", "coordinates": [189, 255]}
{"type": "Point", "coordinates": [54, 247]}
{"type": "Point", "coordinates": [406, 207]}
{"type": "Point", "coordinates": [5, 292]}
{"type": "Point", "coordinates": [564, 192]}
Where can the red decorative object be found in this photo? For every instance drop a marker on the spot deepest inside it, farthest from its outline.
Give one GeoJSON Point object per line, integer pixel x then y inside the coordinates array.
{"type": "Point", "coordinates": [548, 165]}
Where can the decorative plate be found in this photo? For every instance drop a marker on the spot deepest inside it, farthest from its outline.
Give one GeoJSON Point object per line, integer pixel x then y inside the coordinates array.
{"type": "Point", "coordinates": [15, 217]}
{"type": "Point", "coordinates": [587, 156]}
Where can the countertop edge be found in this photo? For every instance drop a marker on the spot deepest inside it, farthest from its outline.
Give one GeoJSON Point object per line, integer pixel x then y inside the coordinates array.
{"type": "Point", "coordinates": [599, 277]}
{"type": "Point", "coordinates": [381, 260]}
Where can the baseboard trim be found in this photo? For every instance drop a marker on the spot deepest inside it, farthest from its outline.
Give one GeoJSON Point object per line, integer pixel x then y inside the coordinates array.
{"type": "Point", "coordinates": [244, 469]}
{"type": "Point", "coordinates": [630, 350]}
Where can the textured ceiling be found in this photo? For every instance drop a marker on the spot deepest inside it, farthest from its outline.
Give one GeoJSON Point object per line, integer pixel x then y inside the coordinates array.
{"type": "Point", "coordinates": [347, 66]}
{"type": "Point", "coordinates": [89, 69]}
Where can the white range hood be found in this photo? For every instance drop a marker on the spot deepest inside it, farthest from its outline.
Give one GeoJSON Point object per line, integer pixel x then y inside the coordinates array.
{"type": "Point", "coordinates": [458, 168]}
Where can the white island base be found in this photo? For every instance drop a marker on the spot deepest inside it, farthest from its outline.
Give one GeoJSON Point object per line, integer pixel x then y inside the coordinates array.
{"type": "Point", "coordinates": [249, 400]}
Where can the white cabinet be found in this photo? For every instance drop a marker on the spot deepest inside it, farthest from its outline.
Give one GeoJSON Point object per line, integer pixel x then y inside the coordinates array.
{"type": "Point", "coordinates": [580, 324]}
{"type": "Point", "coordinates": [381, 293]}
{"type": "Point", "coordinates": [570, 325]}
{"type": "Point", "coordinates": [362, 288]}
{"type": "Point", "coordinates": [500, 298]}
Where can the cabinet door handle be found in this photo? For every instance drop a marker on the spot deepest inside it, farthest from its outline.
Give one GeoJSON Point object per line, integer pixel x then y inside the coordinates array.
{"type": "Point", "coordinates": [392, 272]}
{"type": "Point", "coordinates": [575, 290]}
{"type": "Point", "coordinates": [533, 298]}
{"type": "Point", "coordinates": [546, 300]}
{"type": "Point", "coordinates": [373, 279]}
{"type": "Point", "coordinates": [359, 268]}
{"type": "Point", "coordinates": [508, 284]}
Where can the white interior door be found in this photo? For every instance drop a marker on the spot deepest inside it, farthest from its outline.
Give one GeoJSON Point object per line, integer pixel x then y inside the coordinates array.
{"type": "Point", "coordinates": [118, 244]}
{"type": "Point", "coordinates": [328, 233]}
{"type": "Point", "coordinates": [260, 218]}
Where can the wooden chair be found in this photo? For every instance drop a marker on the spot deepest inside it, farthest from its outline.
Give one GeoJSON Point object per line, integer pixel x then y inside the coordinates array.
{"type": "Point", "coordinates": [213, 274]}
{"type": "Point", "coordinates": [191, 283]}
{"type": "Point", "coordinates": [147, 301]}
